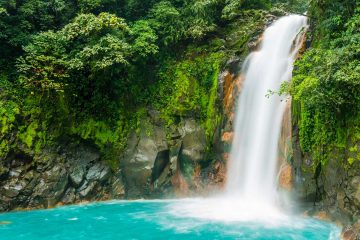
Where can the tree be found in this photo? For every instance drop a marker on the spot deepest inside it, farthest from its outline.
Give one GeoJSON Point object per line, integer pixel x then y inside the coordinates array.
{"type": "Point", "coordinates": [166, 19]}
{"type": "Point", "coordinates": [82, 59]}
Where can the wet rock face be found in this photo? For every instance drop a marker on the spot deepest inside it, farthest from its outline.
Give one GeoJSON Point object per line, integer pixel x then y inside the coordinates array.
{"type": "Point", "coordinates": [160, 161]}
{"type": "Point", "coordinates": [333, 188]}
{"type": "Point", "coordinates": [354, 190]}
{"type": "Point", "coordinates": [192, 153]}
{"type": "Point", "coordinates": [156, 162]}
{"type": "Point", "coordinates": [139, 159]}
{"type": "Point", "coordinates": [285, 177]}
{"type": "Point", "coordinates": [72, 175]}
{"type": "Point", "coordinates": [77, 175]}
{"type": "Point", "coordinates": [351, 232]}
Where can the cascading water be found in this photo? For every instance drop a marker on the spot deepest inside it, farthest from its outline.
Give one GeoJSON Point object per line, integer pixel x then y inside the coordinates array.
{"type": "Point", "coordinates": [250, 193]}
{"type": "Point", "coordinates": [252, 168]}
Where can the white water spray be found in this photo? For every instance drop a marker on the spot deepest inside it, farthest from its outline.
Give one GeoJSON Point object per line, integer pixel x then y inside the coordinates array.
{"type": "Point", "coordinates": [252, 168]}
{"type": "Point", "coordinates": [251, 190]}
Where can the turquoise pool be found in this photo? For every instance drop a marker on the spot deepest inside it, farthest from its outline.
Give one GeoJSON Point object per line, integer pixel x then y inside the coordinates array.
{"type": "Point", "coordinates": [147, 220]}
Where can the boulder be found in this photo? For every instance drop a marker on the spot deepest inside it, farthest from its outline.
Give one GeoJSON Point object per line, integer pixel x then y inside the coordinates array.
{"type": "Point", "coordinates": [193, 146]}
{"type": "Point", "coordinates": [5, 222]}
{"type": "Point", "coordinates": [351, 232]}
{"type": "Point", "coordinates": [192, 153]}
{"type": "Point", "coordinates": [117, 188]}
{"type": "Point", "coordinates": [174, 156]}
{"type": "Point", "coordinates": [188, 126]}
{"type": "Point", "coordinates": [138, 166]}
{"type": "Point", "coordinates": [69, 196]}
{"type": "Point", "coordinates": [63, 175]}
{"type": "Point", "coordinates": [77, 175]}
{"type": "Point", "coordinates": [162, 160]}
{"type": "Point", "coordinates": [144, 159]}
{"type": "Point", "coordinates": [13, 188]}
{"type": "Point", "coordinates": [86, 189]}
{"type": "Point", "coordinates": [355, 190]}
{"type": "Point", "coordinates": [98, 172]}
{"type": "Point", "coordinates": [285, 177]}
{"type": "Point", "coordinates": [83, 155]}
{"type": "Point", "coordinates": [52, 183]}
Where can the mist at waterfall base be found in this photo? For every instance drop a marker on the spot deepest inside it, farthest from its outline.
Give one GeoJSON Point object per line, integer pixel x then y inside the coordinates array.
{"type": "Point", "coordinates": [250, 206]}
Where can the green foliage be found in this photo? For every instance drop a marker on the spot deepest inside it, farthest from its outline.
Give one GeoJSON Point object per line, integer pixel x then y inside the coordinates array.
{"type": "Point", "coordinates": [331, 17]}
{"type": "Point", "coordinates": [8, 112]}
{"type": "Point", "coordinates": [19, 20]}
{"type": "Point", "coordinates": [82, 59]}
{"type": "Point", "coordinates": [355, 147]}
{"type": "Point", "coordinates": [136, 9]}
{"type": "Point", "coordinates": [29, 134]}
{"type": "Point", "coordinates": [89, 43]}
{"type": "Point", "coordinates": [144, 39]}
{"type": "Point", "coordinates": [189, 88]}
{"type": "Point", "coordinates": [167, 21]}
{"type": "Point", "coordinates": [101, 133]}
{"type": "Point", "coordinates": [194, 20]}
{"type": "Point", "coordinates": [202, 17]}
{"type": "Point", "coordinates": [87, 70]}
{"type": "Point", "coordinates": [235, 8]}
{"type": "Point", "coordinates": [213, 117]}
{"type": "Point", "coordinates": [87, 6]}
{"type": "Point", "coordinates": [326, 85]}
{"type": "Point", "coordinates": [293, 6]}
{"type": "Point", "coordinates": [43, 66]}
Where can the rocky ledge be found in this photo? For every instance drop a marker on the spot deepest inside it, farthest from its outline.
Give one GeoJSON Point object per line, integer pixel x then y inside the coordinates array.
{"type": "Point", "coordinates": [65, 175]}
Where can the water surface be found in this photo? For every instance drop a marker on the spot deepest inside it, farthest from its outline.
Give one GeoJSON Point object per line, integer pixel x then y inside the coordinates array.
{"type": "Point", "coordinates": [148, 220]}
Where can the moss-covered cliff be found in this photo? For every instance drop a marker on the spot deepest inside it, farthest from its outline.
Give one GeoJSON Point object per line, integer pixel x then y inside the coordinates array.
{"type": "Point", "coordinates": [326, 100]}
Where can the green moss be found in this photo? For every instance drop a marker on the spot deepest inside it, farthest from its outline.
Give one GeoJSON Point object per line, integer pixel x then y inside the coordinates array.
{"type": "Point", "coordinates": [8, 112]}
{"type": "Point", "coordinates": [325, 86]}
{"type": "Point", "coordinates": [100, 132]}
{"type": "Point", "coordinates": [4, 147]}
{"type": "Point", "coordinates": [29, 134]}
{"type": "Point", "coordinates": [212, 114]}
{"type": "Point", "coordinates": [111, 136]}
{"type": "Point", "coordinates": [189, 88]}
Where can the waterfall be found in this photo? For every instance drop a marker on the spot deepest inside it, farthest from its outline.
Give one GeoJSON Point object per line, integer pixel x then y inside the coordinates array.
{"type": "Point", "coordinates": [252, 167]}
{"type": "Point", "coordinates": [251, 188]}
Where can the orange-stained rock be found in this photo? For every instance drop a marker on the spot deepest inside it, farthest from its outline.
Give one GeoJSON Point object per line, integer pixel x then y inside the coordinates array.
{"type": "Point", "coordinates": [220, 174]}
{"type": "Point", "coordinates": [285, 177]}
{"type": "Point", "coordinates": [216, 177]}
{"type": "Point", "coordinates": [226, 156]}
{"type": "Point", "coordinates": [348, 235]}
{"type": "Point", "coordinates": [181, 187]}
{"type": "Point", "coordinates": [231, 116]}
{"type": "Point", "coordinates": [227, 137]}
{"type": "Point", "coordinates": [352, 233]}
{"type": "Point", "coordinates": [231, 86]}
{"type": "Point", "coordinates": [303, 46]}
{"type": "Point", "coordinates": [197, 177]}
{"type": "Point", "coordinates": [322, 215]}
